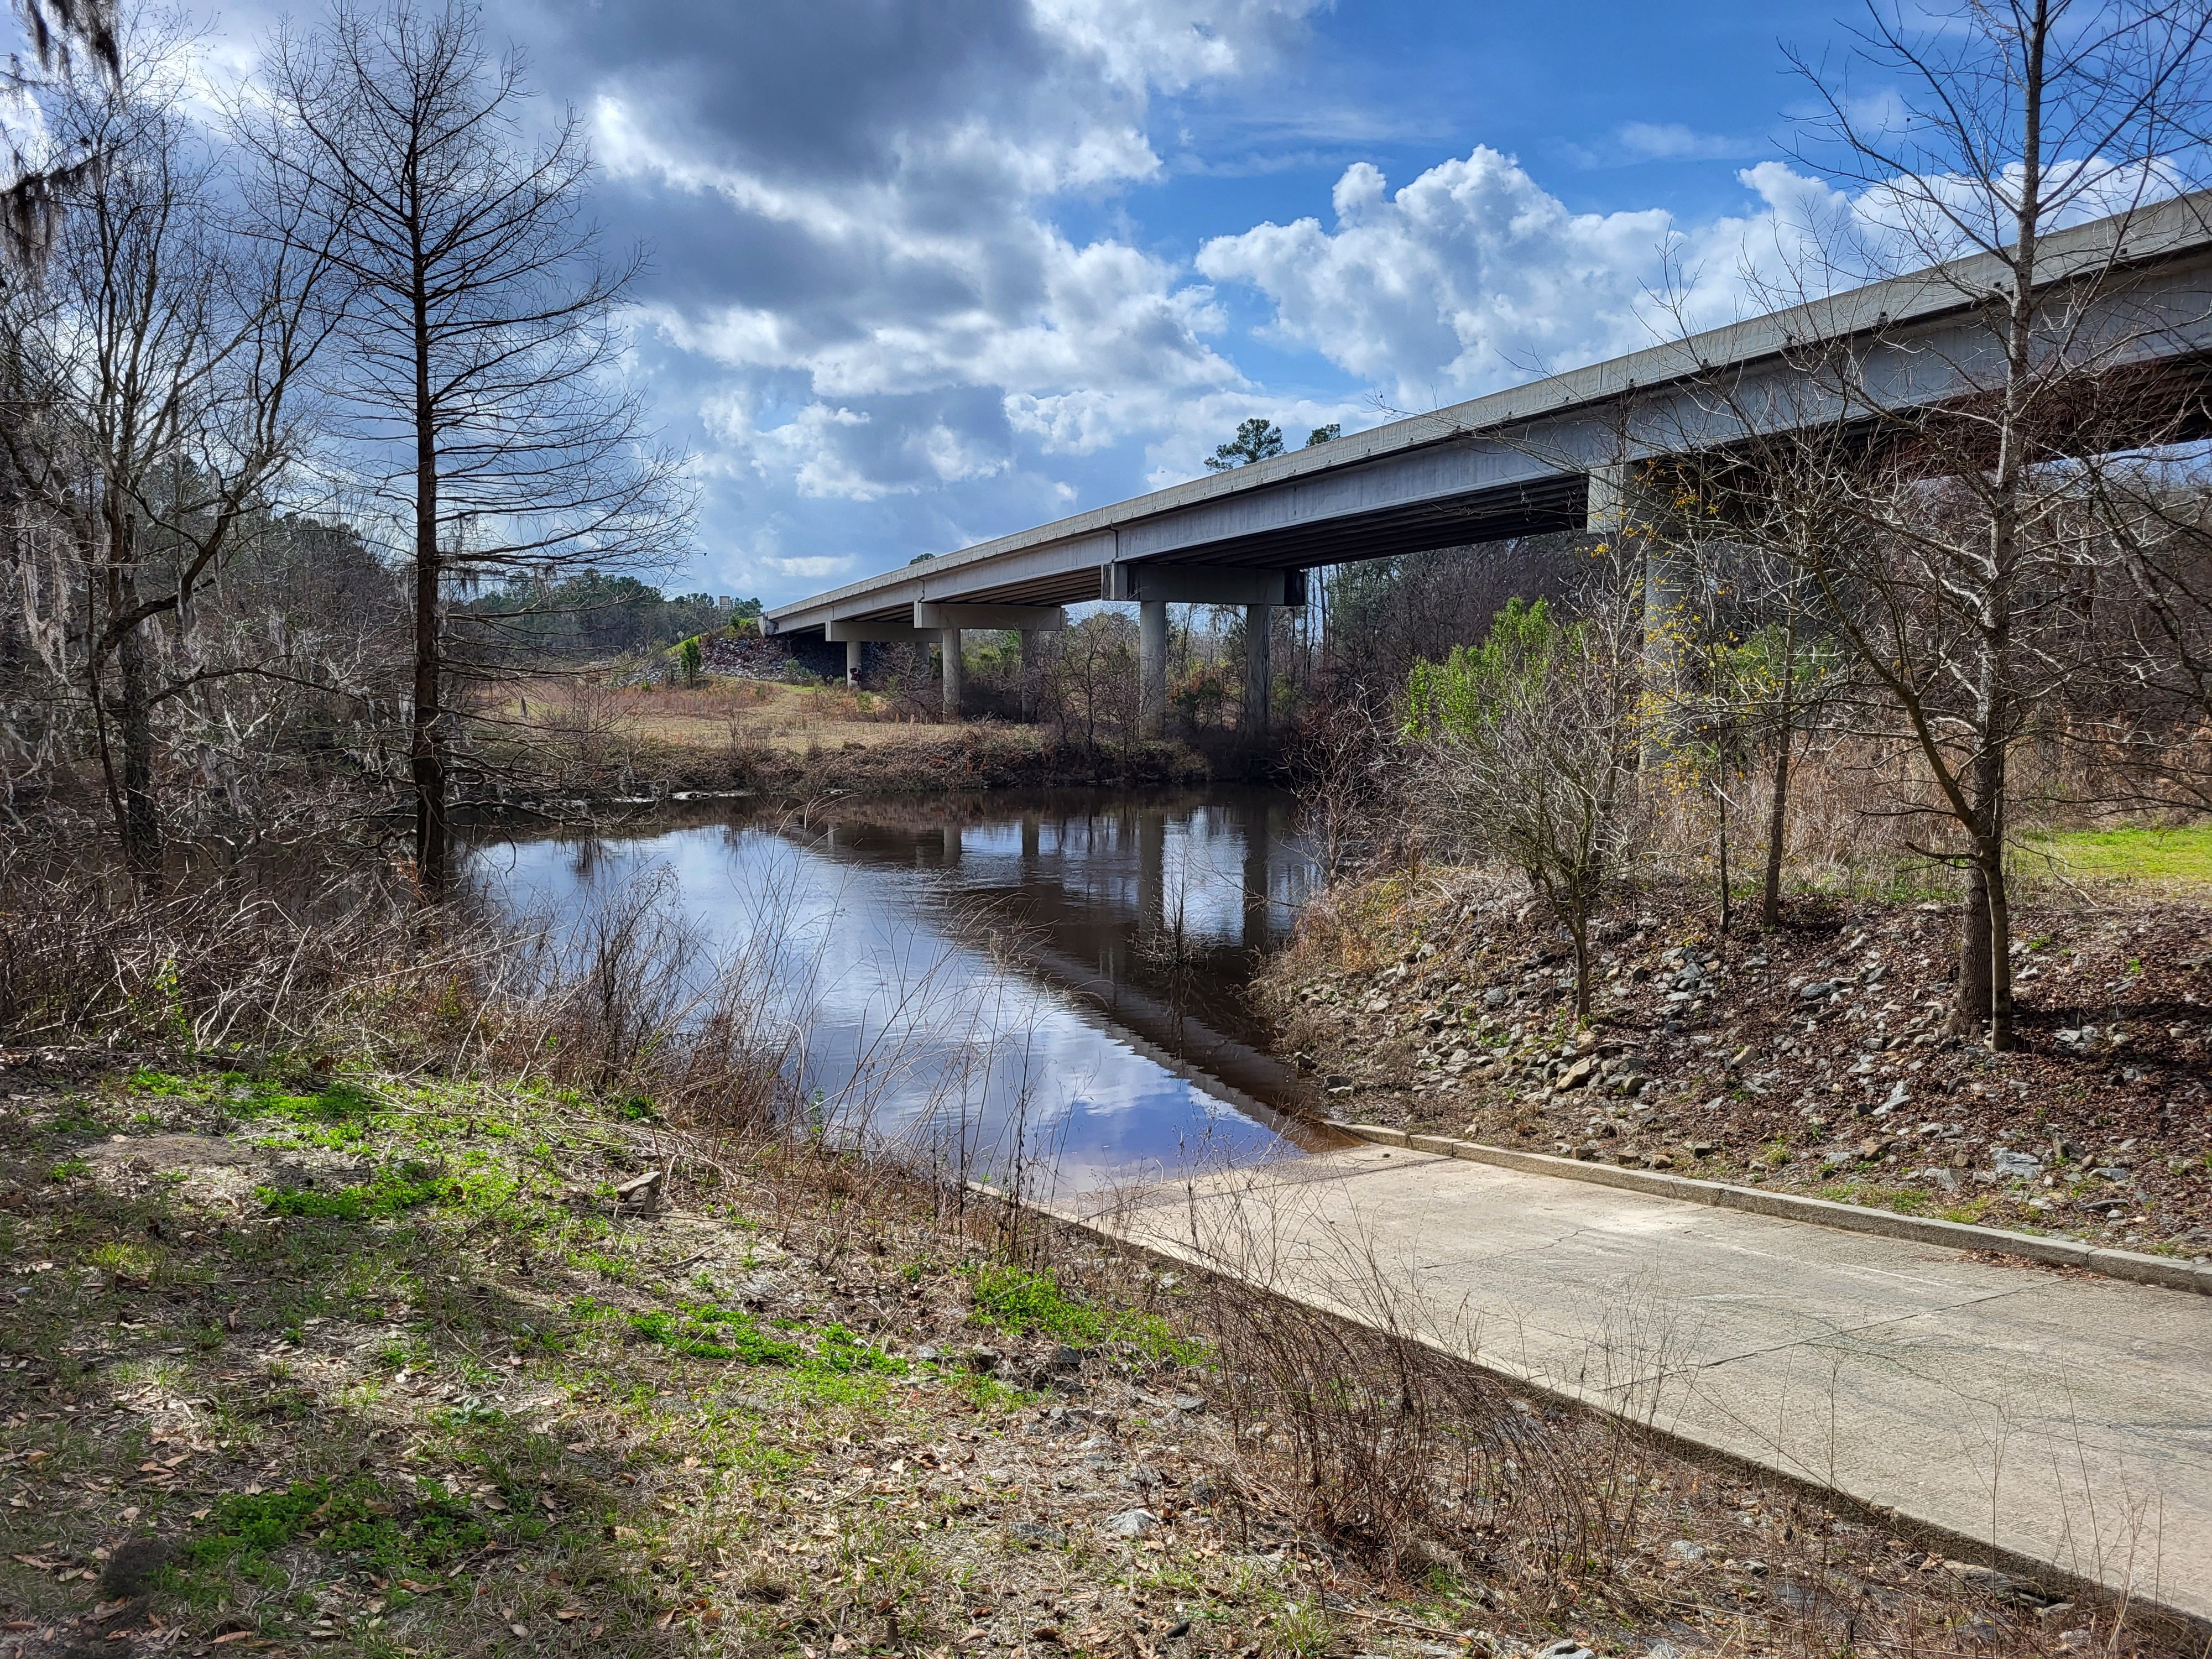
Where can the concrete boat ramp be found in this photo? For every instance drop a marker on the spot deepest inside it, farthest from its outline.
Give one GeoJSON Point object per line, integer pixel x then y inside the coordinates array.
{"type": "Point", "coordinates": [2041, 1416]}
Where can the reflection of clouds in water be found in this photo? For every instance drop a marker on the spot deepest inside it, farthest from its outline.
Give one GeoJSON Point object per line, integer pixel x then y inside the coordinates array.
{"type": "Point", "coordinates": [909, 1035]}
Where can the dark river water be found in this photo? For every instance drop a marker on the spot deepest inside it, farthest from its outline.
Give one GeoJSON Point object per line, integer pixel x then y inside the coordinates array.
{"type": "Point", "coordinates": [1044, 989]}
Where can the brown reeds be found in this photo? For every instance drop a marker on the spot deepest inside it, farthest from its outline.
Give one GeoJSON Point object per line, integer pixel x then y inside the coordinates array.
{"type": "Point", "coordinates": [621, 998]}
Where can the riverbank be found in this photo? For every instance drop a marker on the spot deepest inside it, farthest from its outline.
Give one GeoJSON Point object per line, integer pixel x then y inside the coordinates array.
{"type": "Point", "coordinates": [1812, 1058]}
{"type": "Point", "coordinates": [306, 1357]}
{"type": "Point", "coordinates": [578, 737]}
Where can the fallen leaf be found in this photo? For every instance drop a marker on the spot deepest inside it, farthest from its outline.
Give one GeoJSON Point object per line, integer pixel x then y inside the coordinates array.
{"type": "Point", "coordinates": [665, 1620]}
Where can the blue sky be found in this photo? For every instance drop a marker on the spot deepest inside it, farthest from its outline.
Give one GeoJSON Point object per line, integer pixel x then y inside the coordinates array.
{"type": "Point", "coordinates": [927, 272]}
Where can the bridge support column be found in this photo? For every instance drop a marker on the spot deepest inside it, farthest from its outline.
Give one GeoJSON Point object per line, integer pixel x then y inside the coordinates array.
{"type": "Point", "coordinates": [1152, 668]}
{"type": "Point", "coordinates": [955, 673]}
{"type": "Point", "coordinates": [1259, 676]}
{"type": "Point", "coordinates": [1028, 673]}
{"type": "Point", "coordinates": [853, 649]}
{"type": "Point", "coordinates": [1635, 517]}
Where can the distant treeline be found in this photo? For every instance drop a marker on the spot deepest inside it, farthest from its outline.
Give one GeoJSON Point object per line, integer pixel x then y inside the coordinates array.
{"type": "Point", "coordinates": [593, 615]}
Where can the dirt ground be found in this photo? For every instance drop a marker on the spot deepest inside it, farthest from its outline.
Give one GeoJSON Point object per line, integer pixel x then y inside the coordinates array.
{"type": "Point", "coordinates": [295, 1360]}
{"type": "Point", "coordinates": [1813, 1057]}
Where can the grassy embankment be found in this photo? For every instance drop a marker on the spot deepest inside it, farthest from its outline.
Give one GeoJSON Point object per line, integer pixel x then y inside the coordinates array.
{"type": "Point", "coordinates": [297, 1359]}
{"type": "Point", "coordinates": [2174, 861]}
{"type": "Point", "coordinates": [577, 734]}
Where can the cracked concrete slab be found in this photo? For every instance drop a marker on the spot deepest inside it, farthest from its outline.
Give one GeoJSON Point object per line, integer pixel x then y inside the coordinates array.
{"type": "Point", "coordinates": [2055, 1417]}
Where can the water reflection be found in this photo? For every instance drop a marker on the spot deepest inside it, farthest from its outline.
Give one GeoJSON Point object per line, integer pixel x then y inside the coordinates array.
{"type": "Point", "coordinates": [1046, 989]}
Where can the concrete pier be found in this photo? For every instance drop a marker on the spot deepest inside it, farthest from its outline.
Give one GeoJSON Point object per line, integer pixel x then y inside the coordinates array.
{"type": "Point", "coordinates": [955, 673]}
{"type": "Point", "coordinates": [853, 650]}
{"type": "Point", "coordinates": [1259, 675]}
{"type": "Point", "coordinates": [1152, 668]}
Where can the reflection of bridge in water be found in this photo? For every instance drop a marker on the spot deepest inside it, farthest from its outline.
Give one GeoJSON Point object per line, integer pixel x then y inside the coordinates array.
{"type": "Point", "coordinates": [1149, 915]}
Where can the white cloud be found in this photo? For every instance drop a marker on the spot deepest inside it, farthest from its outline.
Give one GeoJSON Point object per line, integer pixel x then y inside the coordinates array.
{"type": "Point", "coordinates": [939, 295]}
{"type": "Point", "coordinates": [1467, 278]}
{"type": "Point", "coordinates": [1472, 277]}
{"type": "Point", "coordinates": [811, 566]}
{"type": "Point", "coordinates": [1670, 141]}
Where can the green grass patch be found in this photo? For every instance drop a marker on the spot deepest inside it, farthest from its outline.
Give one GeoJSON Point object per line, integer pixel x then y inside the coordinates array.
{"type": "Point", "coordinates": [706, 1332]}
{"type": "Point", "coordinates": [242, 1532]}
{"type": "Point", "coordinates": [2182, 857]}
{"type": "Point", "coordinates": [124, 1260]}
{"type": "Point", "coordinates": [388, 1193]}
{"type": "Point", "coordinates": [1034, 1303]}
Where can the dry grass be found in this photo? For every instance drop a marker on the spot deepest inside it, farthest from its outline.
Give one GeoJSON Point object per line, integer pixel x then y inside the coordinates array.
{"type": "Point", "coordinates": [716, 713]}
{"type": "Point", "coordinates": [349, 1341]}
{"type": "Point", "coordinates": [349, 1363]}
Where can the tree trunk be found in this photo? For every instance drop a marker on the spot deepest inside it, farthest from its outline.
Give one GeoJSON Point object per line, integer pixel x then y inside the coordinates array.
{"type": "Point", "coordinates": [1720, 797]}
{"type": "Point", "coordinates": [1990, 786]}
{"type": "Point", "coordinates": [130, 785]}
{"type": "Point", "coordinates": [1581, 932]}
{"type": "Point", "coordinates": [427, 756]}
{"type": "Point", "coordinates": [1769, 907]}
{"type": "Point", "coordinates": [134, 724]}
{"type": "Point", "coordinates": [1995, 696]}
{"type": "Point", "coordinates": [2001, 1017]}
{"type": "Point", "coordinates": [1970, 1009]}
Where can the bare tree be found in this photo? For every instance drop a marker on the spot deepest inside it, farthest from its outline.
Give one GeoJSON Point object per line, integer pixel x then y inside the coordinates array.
{"type": "Point", "coordinates": [31, 199]}
{"type": "Point", "coordinates": [153, 381]}
{"type": "Point", "coordinates": [1753, 525]}
{"type": "Point", "coordinates": [1528, 752]}
{"type": "Point", "coordinates": [486, 407]}
{"type": "Point", "coordinates": [2010, 123]}
{"type": "Point", "coordinates": [1089, 680]}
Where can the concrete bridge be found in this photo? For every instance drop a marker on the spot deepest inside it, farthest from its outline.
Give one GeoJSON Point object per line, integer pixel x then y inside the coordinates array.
{"type": "Point", "coordinates": [1557, 453]}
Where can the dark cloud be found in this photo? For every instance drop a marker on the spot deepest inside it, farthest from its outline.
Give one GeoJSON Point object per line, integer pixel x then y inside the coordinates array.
{"type": "Point", "coordinates": [819, 90]}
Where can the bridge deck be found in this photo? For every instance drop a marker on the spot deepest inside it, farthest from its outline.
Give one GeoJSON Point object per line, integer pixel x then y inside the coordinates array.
{"type": "Point", "coordinates": [1520, 461]}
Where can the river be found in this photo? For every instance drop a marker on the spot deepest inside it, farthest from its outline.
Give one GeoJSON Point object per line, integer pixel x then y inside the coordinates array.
{"type": "Point", "coordinates": [1045, 990]}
